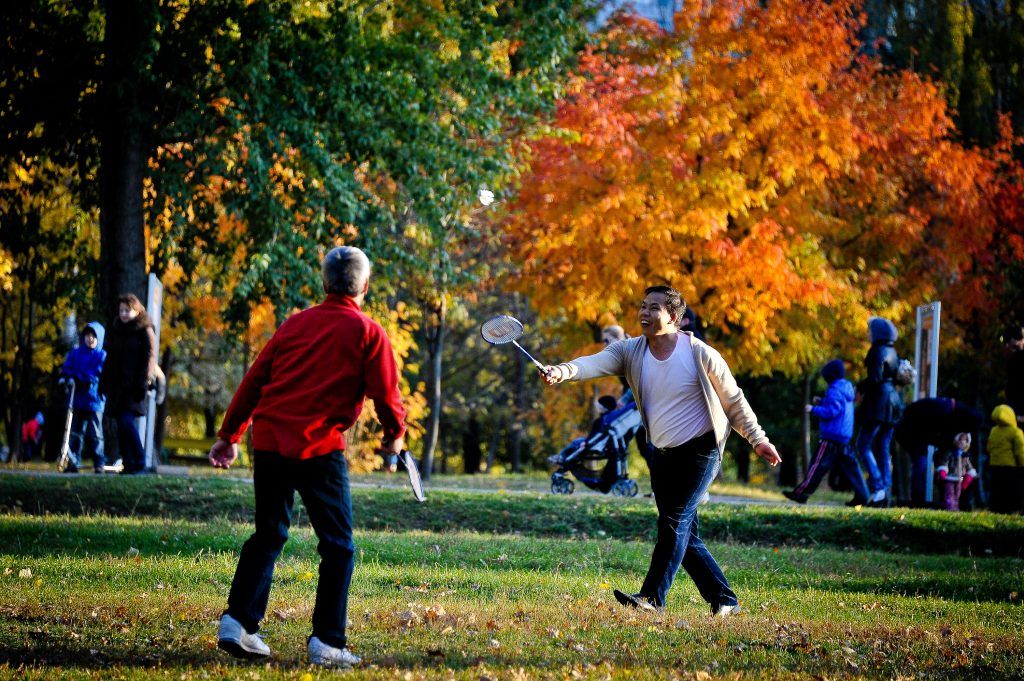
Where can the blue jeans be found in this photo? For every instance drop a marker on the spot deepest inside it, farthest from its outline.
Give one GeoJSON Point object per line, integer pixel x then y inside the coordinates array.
{"type": "Point", "coordinates": [680, 477]}
{"type": "Point", "coordinates": [873, 448]}
{"type": "Point", "coordinates": [322, 482]}
{"type": "Point", "coordinates": [86, 431]}
{"type": "Point", "coordinates": [129, 444]}
{"type": "Point", "coordinates": [828, 453]}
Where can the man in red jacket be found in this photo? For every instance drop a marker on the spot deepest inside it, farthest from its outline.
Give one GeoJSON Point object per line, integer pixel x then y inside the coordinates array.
{"type": "Point", "coordinates": [301, 394]}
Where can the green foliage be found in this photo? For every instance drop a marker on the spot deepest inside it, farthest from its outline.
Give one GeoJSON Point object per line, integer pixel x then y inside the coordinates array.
{"type": "Point", "coordinates": [974, 47]}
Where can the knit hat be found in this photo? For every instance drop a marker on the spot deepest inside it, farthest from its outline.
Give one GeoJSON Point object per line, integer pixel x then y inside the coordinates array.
{"type": "Point", "coordinates": [834, 370]}
{"type": "Point", "coordinates": [882, 330]}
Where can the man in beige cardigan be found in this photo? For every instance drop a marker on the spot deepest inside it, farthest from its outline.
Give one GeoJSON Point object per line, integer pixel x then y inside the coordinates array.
{"type": "Point", "coordinates": [689, 401]}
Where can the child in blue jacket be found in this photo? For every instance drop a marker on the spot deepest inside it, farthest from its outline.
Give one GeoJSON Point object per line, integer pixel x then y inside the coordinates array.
{"type": "Point", "coordinates": [835, 415]}
{"type": "Point", "coordinates": [84, 365]}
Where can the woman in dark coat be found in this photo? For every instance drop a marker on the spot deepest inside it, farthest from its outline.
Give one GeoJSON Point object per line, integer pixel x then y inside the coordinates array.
{"type": "Point", "coordinates": [131, 363]}
{"type": "Point", "coordinates": [880, 408]}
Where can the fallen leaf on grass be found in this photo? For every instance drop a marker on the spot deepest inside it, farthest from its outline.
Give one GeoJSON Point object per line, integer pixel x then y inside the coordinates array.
{"type": "Point", "coordinates": [25, 573]}
{"type": "Point", "coordinates": [434, 613]}
{"type": "Point", "coordinates": [494, 643]}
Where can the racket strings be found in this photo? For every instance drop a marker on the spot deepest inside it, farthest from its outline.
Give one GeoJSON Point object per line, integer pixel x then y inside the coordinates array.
{"type": "Point", "coordinates": [503, 329]}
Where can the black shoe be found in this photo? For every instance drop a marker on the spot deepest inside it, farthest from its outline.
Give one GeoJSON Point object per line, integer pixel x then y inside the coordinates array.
{"type": "Point", "coordinates": [856, 501]}
{"type": "Point", "coordinates": [793, 496]}
{"type": "Point", "coordinates": [71, 468]}
{"type": "Point", "coordinates": [637, 601]}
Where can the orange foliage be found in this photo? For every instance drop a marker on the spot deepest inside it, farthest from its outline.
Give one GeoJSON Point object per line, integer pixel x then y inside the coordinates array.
{"type": "Point", "coordinates": [788, 186]}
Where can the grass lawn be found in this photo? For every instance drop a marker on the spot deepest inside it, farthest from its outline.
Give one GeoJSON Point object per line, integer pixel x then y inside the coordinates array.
{"type": "Point", "coordinates": [116, 578]}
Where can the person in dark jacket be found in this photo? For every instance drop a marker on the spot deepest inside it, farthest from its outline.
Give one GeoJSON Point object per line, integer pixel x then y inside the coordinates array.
{"type": "Point", "coordinates": [129, 369]}
{"type": "Point", "coordinates": [84, 366]}
{"type": "Point", "coordinates": [935, 422]}
{"type": "Point", "coordinates": [835, 416]}
{"type": "Point", "coordinates": [880, 408]}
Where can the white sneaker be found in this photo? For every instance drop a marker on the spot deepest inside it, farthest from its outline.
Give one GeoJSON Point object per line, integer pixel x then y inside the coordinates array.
{"type": "Point", "coordinates": [726, 610]}
{"type": "Point", "coordinates": [328, 656]}
{"type": "Point", "coordinates": [234, 639]}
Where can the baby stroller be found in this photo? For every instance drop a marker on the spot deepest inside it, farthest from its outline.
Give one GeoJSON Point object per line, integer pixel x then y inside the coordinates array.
{"type": "Point", "coordinates": [599, 460]}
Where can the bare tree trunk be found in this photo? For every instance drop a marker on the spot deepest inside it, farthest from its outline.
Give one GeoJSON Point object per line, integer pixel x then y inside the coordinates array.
{"type": "Point", "coordinates": [435, 350]}
{"type": "Point", "coordinates": [515, 440]}
{"type": "Point", "coordinates": [128, 34]}
{"type": "Point", "coordinates": [492, 451]}
{"type": "Point", "coordinates": [807, 423]}
{"type": "Point", "coordinates": [471, 446]}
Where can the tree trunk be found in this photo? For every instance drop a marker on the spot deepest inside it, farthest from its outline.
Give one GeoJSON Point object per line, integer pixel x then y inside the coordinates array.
{"type": "Point", "coordinates": [435, 349]}
{"type": "Point", "coordinates": [471, 446]}
{"type": "Point", "coordinates": [807, 421]}
{"type": "Point", "coordinates": [128, 36]}
{"type": "Point", "coordinates": [743, 464]}
{"type": "Point", "coordinates": [492, 451]}
{"type": "Point", "coordinates": [515, 438]}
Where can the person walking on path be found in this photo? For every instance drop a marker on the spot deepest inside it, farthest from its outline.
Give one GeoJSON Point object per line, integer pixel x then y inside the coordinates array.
{"type": "Point", "coordinates": [835, 415]}
{"type": "Point", "coordinates": [880, 408]}
{"type": "Point", "coordinates": [689, 402]}
{"type": "Point", "coordinates": [84, 366]}
{"type": "Point", "coordinates": [935, 422]}
{"type": "Point", "coordinates": [1006, 462]}
{"type": "Point", "coordinates": [306, 388]}
{"type": "Point", "coordinates": [130, 367]}
{"type": "Point", "coordinates": [955, 474]}
{"type": "Point", "coordinates": [32, 436]}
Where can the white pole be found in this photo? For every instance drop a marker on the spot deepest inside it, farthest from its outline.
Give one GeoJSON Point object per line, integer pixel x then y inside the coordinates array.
{"type": "Point", "coordinates": [154, 307]}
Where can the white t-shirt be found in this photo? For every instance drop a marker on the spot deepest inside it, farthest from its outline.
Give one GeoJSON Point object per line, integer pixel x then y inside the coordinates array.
{"type": "Point", "coordinates": [673, 398]}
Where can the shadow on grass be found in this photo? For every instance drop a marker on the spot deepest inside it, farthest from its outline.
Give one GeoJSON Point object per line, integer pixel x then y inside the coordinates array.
{"type": "Point", "coordinates": [828, 570]}
{"type": "Point", "coordinates": [533, 515]}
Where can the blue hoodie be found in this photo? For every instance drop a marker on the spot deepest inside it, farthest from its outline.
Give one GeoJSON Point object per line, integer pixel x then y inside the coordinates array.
{"type": "Point", "coordinates": [84, 366]}
{"type": "Point", "coordinates": [835, 412]}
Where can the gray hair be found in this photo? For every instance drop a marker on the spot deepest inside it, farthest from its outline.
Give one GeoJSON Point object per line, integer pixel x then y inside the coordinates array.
{"type": "Point", "coordinates": [346, 269]}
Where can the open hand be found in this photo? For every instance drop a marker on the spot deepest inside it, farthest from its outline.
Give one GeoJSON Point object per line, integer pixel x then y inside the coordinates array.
{"type": "Point", "coordinates": [767, 451]}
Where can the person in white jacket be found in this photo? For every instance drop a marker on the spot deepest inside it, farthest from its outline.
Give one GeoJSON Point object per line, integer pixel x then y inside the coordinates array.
{"type": "Point", "coordinates": [689, 402]}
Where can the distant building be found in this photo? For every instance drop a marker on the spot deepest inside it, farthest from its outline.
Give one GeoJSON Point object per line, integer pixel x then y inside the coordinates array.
{"type": "Point", "coordinates": [659, 11]}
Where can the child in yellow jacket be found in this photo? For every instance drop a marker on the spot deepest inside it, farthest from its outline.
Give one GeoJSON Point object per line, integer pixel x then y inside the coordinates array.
{"type": "Point", "coordinates": [1006, 459]}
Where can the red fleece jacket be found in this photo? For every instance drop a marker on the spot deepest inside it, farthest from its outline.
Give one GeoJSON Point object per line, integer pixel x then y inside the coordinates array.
{"type": "Point", "coordinates": [308, 385]}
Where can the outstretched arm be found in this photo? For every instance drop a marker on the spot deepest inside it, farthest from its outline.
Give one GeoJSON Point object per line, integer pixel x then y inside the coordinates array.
{"type": "Point", "coordinates": [608, 362]}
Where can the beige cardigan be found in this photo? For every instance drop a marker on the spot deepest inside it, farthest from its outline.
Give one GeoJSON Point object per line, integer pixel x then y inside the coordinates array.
{"type": "Point", "coordinates": [726, 403]}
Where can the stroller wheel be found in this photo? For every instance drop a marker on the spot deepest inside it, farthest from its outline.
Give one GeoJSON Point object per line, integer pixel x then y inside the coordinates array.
{"type": "Point", "coordinates": [621, 488]}
{"type": "Point", "coordinates": [634, 488]}
{"type": "Point", "coordinates": [562, 485]}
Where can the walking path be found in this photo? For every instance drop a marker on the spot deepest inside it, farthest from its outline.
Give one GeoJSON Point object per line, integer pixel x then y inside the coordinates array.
{"type": "Point", "coordinates": [187, 471]}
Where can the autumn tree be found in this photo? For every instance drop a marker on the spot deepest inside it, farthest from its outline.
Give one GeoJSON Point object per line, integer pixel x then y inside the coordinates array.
{"type": "Point", "coordinates": [753, 159]}
{"type": "Point", "coordinates": [757, 159]}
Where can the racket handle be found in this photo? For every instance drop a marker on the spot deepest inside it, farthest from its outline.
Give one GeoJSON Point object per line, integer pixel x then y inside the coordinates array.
{"type": "Point", "coordinates": [540, 367]}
